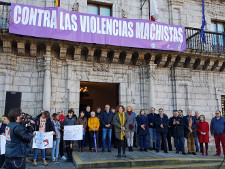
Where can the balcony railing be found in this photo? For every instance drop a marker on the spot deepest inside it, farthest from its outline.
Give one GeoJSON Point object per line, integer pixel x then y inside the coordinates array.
{"type": "Point", "coordinates": [4, 15]}
{"type": "Point", "coordinates": [215, 42]}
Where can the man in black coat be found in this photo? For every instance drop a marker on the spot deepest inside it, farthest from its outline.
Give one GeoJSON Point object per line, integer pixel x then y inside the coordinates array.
{"type": "Point", "coordinates": [87, 115]}
{"type": "Point", "coordinates": [177, 128]}
{"type": "Point", "coordinates": [162, 123]}
{"type": "Point", "coordinates": [99, 139]}
{"type": "Point", "coordinates": [106, 123]}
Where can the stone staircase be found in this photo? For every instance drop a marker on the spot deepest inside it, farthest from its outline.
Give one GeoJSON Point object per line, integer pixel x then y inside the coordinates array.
{"type": "Point", "coordinates": [145, 160]}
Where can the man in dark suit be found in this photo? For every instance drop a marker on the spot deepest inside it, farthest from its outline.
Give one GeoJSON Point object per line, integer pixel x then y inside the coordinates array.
{"type": "Point", "coordinates": [162, 124]}
{"type": "Point", "coordinates": [177, 128]}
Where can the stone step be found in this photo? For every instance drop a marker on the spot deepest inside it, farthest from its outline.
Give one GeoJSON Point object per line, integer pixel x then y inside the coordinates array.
{"type": "Point", "coordinates": [213, 165]}
{"type": "Point", "coordinates": [113, 162]}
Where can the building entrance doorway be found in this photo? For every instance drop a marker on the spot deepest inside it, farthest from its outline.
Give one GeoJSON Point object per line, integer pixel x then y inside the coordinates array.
{"type": "Point", "coordinates": [98, 95]}
{"type": "Point", "coordinates": [13, 100]}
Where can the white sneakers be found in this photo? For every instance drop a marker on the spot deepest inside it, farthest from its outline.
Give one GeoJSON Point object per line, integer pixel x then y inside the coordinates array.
{"type": "Point", "coordinates": [63, 158]}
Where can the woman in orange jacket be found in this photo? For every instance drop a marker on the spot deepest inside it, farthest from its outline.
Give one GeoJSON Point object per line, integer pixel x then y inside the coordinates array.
{"type": "Point", "coordinates": [93, 125]}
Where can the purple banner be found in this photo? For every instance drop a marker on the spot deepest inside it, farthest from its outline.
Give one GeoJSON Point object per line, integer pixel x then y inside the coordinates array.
{"type": "Point", "coordinates": [58, 23]}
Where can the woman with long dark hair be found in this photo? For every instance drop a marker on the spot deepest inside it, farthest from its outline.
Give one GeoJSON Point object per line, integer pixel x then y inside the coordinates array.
{"type": "Point", "coordinates": [43, 124]}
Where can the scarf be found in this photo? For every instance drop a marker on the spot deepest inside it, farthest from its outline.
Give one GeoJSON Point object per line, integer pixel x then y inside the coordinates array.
{"type": "Point", "coordinates": [129, 112]}
{"type": "Point", "coordinates": [122, 122]}
{"type": "Point", "coordinates": [189, 121]}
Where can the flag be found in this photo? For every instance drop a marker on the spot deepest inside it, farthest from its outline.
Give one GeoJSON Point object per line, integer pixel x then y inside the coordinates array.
{"type": "Point", "coordinates": [57, 3]}
{"type": "Point", "coordinates": [154, 11]}
{"type": "Point", "coordinates": [203, 22]}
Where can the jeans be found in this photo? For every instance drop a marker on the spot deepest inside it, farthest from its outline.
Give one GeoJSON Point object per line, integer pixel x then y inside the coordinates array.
{"type": "Point", "coordinates": [196, 144]}
{"type": "Point", "coordinates": [55, 149]}
{"type": "Point", "coordinates": [69, 149]}
{"type": "Point", "coordinates": [61, 145]}
{"type": "Point", "coordinates": [179, 143]}
{"type": "Point", "coordinates": [107, 132]}
{"type": "Point", "coordinates": [81, 143]}
{"type": "Point", "coordinates": [160, 136]}
{"type": "Point", "coordinates": [130, 139]}
{"type": "Point", "coordinates": [15, 162]}
{"type": "Point", "coordinates": [36, 153]}
{"type": "Point", "coordinates": [143, 141]}
{"type": "Point", "coordinates": [152, 135]}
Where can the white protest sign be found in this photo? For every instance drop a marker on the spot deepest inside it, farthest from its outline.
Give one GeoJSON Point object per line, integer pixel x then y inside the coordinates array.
{"type": "Point", "coordinates": [2, 142]}
{"type": "Point", "coordinates": [73, 132]}
{"type": "Point", "coordinates": [43, 140]}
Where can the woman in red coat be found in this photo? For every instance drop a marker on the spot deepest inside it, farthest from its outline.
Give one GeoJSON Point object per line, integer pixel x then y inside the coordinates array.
{"type": "Point", "coordinates": [203, 134]}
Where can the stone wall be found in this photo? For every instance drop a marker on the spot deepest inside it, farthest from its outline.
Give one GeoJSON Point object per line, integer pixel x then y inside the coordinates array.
{"type": "Point", "coordinates": [195, 89]}
{"type": "Point", "coordinates": [21, 74]}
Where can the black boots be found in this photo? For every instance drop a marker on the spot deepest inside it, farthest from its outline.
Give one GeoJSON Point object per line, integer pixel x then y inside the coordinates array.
{"type": "Point", "coordinates": [130, 149]}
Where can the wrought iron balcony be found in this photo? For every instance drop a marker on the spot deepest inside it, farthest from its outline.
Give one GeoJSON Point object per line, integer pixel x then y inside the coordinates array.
{"type": "Point", "coordinates": [215, 42]}
{"type": "Point", "coordinates": [4, 15]}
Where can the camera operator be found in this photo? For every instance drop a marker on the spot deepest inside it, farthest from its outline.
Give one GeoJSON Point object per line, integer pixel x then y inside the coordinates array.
{"type": "Point", "coordinates": [27, 120]}
{"type": "Point", "coordinates": [17, 141]}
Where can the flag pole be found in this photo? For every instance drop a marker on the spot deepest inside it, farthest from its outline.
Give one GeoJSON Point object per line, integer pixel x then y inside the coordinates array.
{"type": "Point", "coordinates": [149, 7]}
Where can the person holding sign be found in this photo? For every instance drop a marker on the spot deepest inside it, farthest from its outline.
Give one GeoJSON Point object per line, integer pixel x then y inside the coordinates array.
{"type": "Point", "coordinates": [17, 141]}
{"type": "Point", "coordinates": [69, 120]}
{"type": "Point", "coordinates": [42, 124]}
{"type": "Point", "coordinates": [93, 125]}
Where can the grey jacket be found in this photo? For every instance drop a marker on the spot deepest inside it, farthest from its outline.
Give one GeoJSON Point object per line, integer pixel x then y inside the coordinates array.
{"type": "Point", "coordinates": [70, 121]}
{"type": "Point", "coordinates": [131, 121]}
{"type": "Point", "coordinates": [117, 126]}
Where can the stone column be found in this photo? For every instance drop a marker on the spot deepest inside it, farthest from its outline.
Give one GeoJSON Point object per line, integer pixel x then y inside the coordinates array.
{"type": "Point", "coordinates": [21, 48]}
{"type": "Point", "coordinates": [47, 79]}
{"type": "Point", "coordinates": [7, 46]}
{"type": "Point", "coordinates": [77, 53]}
{"type": "Point", "coordinates": [151, 86]}
{"type": "Point", "coordinates": [33, 49]}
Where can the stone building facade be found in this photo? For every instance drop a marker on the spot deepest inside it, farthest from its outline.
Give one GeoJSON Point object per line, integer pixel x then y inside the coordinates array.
{"type": "Point", "coordinates": [48, 72]}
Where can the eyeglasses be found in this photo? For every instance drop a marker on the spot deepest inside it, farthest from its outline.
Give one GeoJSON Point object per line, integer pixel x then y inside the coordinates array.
{"type": "Point", "coordinates": [160, 111]}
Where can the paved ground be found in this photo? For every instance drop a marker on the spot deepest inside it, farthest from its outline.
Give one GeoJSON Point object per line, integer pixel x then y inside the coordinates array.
{"type": "Point", "coordinates": [61, 165]}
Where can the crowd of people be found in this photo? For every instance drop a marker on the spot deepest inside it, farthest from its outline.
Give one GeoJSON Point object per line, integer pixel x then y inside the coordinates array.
{"type": "Point", "coordinates": [120, 127]}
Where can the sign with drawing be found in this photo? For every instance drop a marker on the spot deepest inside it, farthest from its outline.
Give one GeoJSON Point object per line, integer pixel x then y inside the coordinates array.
{"type": "Point", "coordinates": [43, 140]}
{"type": "Point", "coordinates": [73, 132]}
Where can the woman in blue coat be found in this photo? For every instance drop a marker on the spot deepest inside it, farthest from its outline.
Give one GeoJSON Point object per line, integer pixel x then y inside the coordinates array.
{"type": "Point", "coordinates": [142, 122]}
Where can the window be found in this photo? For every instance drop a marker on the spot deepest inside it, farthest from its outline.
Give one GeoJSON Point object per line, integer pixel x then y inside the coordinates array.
{"type": "Point", "coordinates": [223, 104]}
{"type": "Point", "coordinates": [99, 9]}
{"type": "Point", "coordinates": [218, 27]}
